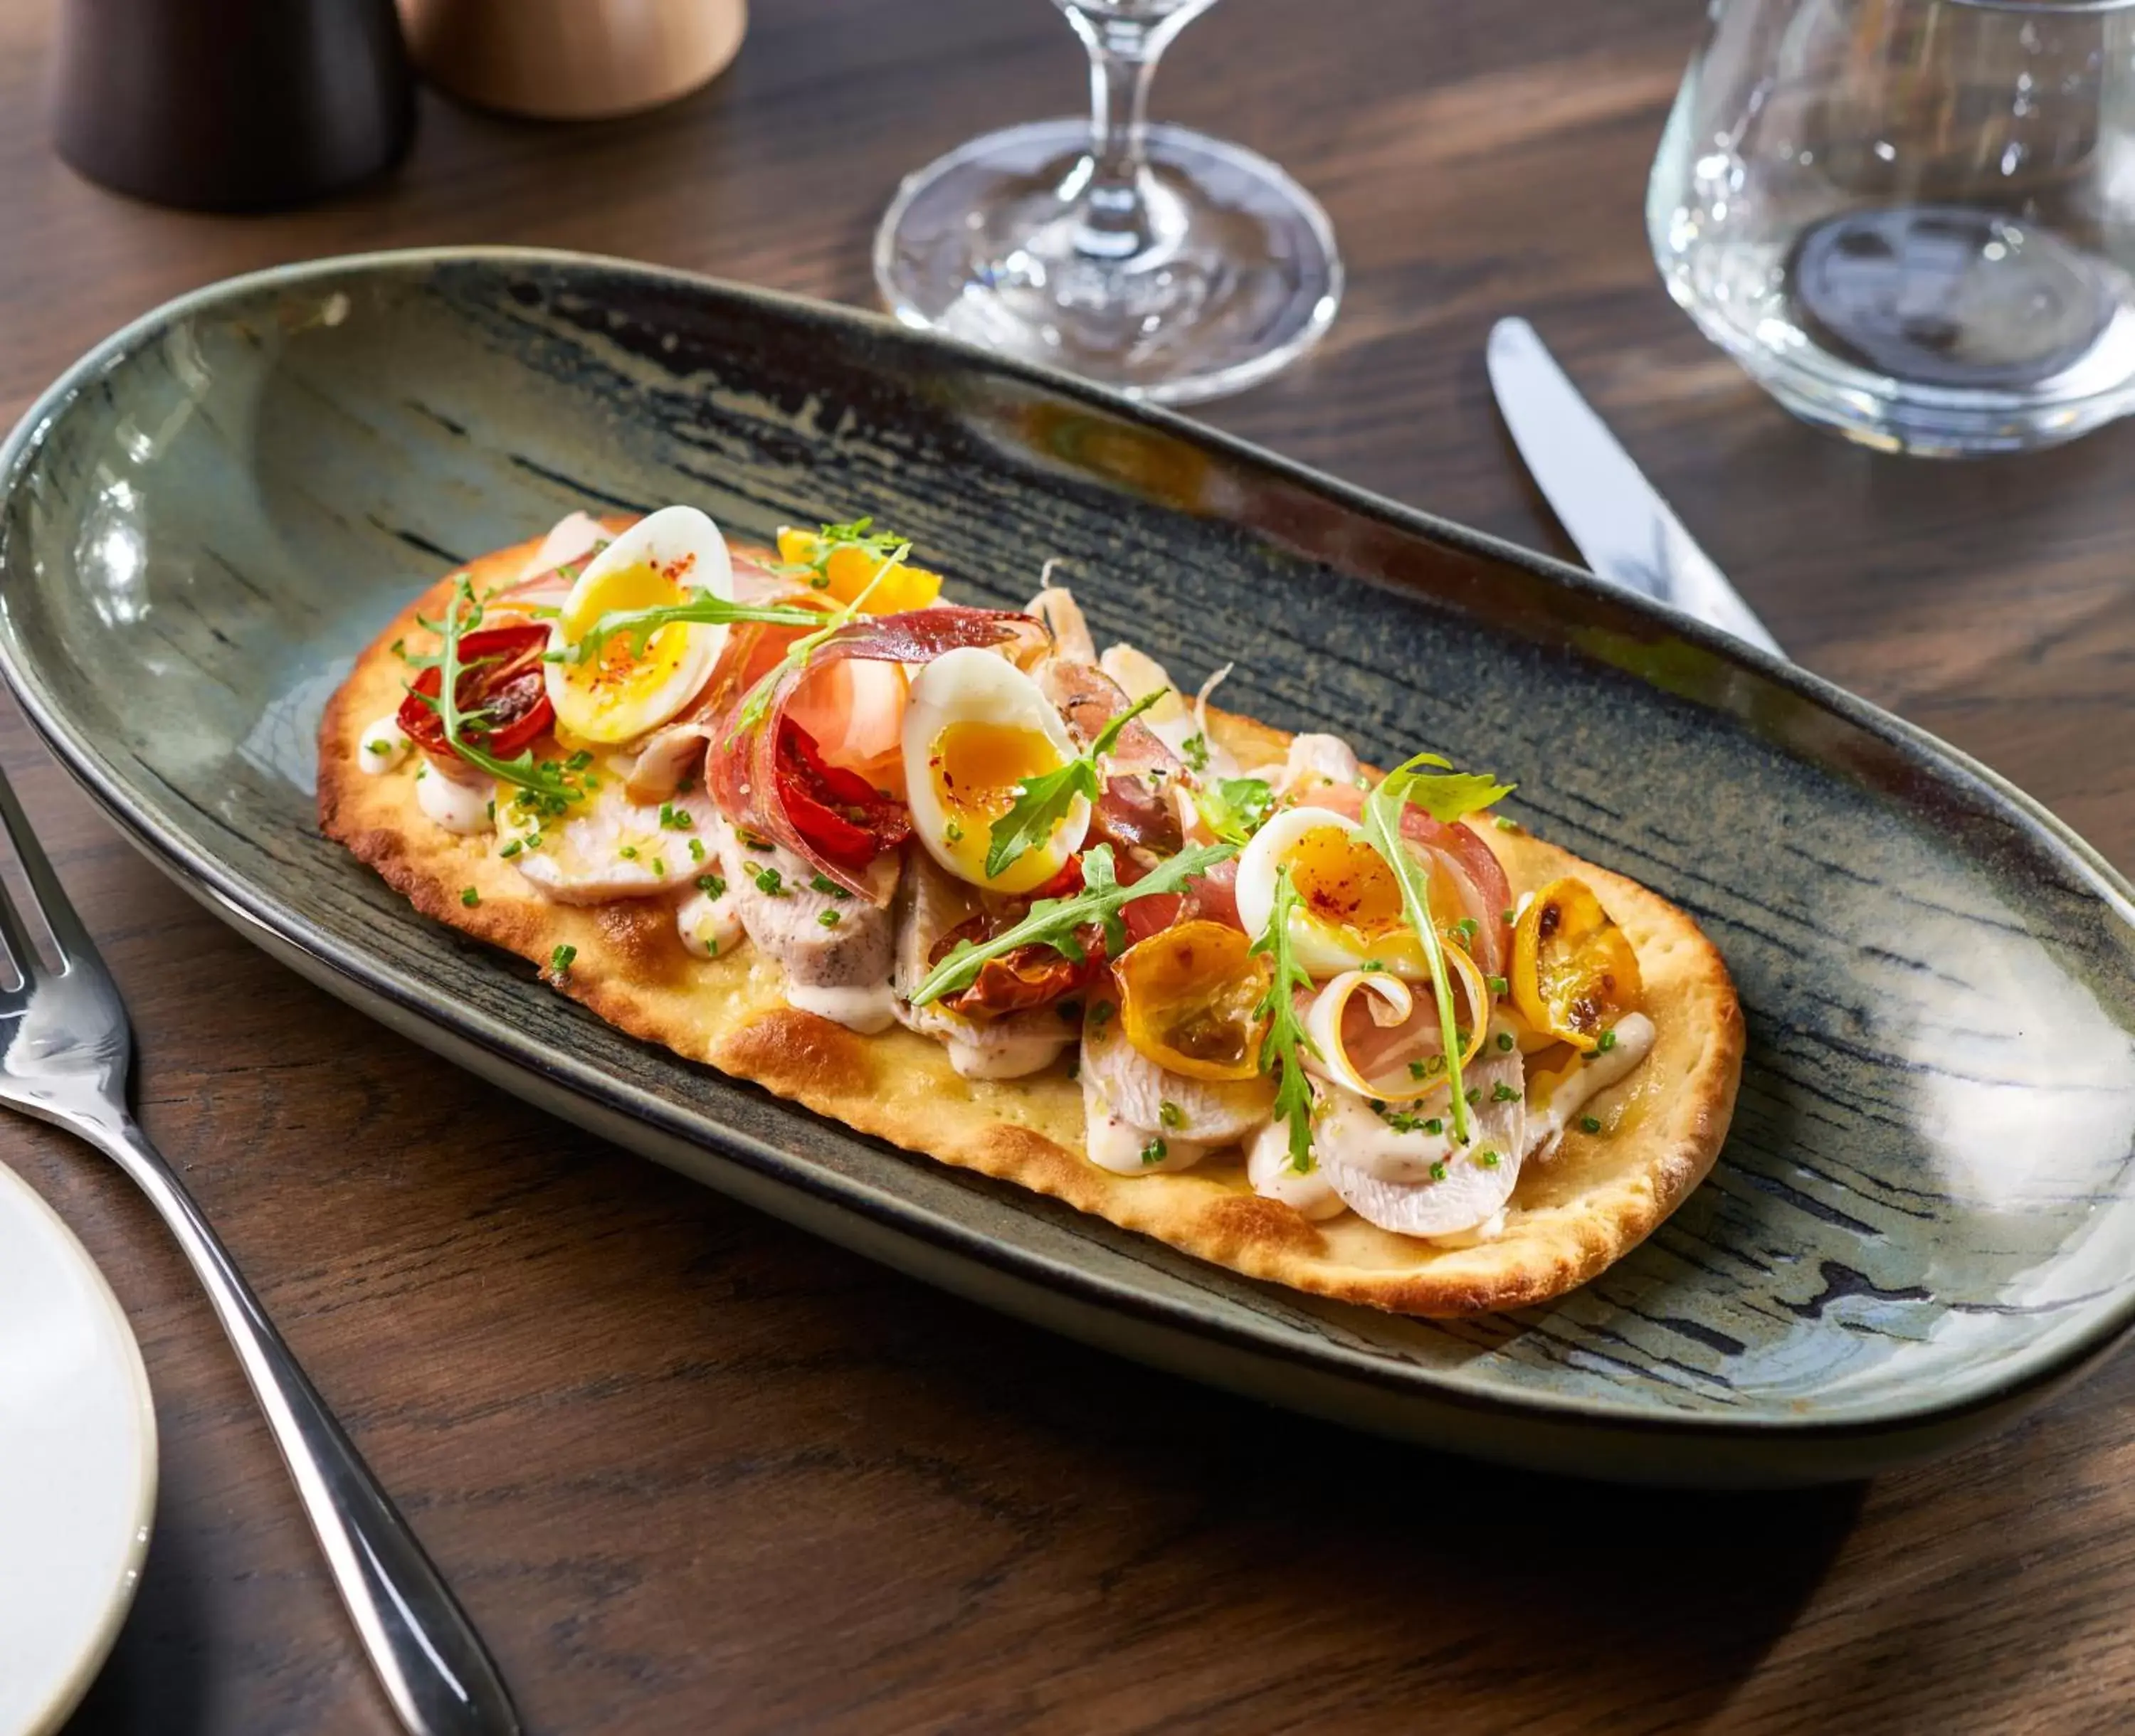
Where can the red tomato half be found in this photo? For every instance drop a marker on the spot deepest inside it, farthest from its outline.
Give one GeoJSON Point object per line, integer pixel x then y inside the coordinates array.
{"type": "Point", "coordinates": [837, 812]}
{"type": "Point", "coordinates": [502, 699]}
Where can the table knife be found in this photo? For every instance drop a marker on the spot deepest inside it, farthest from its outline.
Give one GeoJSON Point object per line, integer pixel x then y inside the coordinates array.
{"type": "Point", "coordinates": [1625, 531]}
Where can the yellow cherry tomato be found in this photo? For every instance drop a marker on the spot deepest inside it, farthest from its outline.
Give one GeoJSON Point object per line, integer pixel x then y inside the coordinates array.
{"type": "Point", "coordinates": [850, 568]}
{"type": "Point", "coordinates": [1187, 1000]}
{"type": "Point", "coordinates": [1574, 972]}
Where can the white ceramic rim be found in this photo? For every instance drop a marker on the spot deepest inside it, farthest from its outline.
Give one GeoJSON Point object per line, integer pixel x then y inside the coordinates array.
{"type": "Point", "coordinates": [74, 1675]}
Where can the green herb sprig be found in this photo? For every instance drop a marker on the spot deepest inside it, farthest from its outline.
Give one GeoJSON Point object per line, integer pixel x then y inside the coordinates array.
{"type": "Point", "coordinates": [860, 534]}
{"type": "Point", "coordinates": [552, 786]}
{"type": "Point", "coordinates": [1236, 807]}
{"type": "Point", "coordinates": [640, 625]}
{"type": "Point", "coordinates": [1286, 1045]}
{"type": "Point", "coordinates": [1042, 802]}
{"type": "Point", "coordinates": [1447, 796]}
{"type": "Point", "coordinates": [1053, 922]}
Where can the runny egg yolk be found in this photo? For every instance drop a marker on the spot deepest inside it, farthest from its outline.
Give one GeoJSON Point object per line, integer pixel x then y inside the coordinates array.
{"type": "Point", "coordinates": [611, 697]}
{"type": "Point", "coordinates": [976, 769]}
{"type": "Point", "coordinates": [1344, 885]}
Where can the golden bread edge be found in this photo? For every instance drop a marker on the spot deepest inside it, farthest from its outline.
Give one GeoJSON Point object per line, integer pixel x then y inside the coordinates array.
{"type": "Point", "coordinates": [1573, 1215]}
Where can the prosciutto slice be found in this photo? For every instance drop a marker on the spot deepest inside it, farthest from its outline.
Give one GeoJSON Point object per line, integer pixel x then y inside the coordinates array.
{"type": "Point", "coordinates": [743, 762]}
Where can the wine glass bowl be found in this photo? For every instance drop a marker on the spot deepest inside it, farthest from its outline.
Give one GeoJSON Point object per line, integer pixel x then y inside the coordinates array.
{"type": "Point", "coordinates": [1168, 265]}
{"type": "Point", "coordinates": [1912, 220]}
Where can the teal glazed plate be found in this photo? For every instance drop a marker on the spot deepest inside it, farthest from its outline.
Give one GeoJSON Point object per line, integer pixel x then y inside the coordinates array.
{"type": "Point", "coordinates": [1923, 1222]}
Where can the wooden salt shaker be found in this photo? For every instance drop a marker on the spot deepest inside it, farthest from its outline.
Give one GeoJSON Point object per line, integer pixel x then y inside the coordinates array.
{"type": "Point", "coordinates": [573, 60]}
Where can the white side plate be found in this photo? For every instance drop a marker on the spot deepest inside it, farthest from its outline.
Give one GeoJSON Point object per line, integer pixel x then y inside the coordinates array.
{"type": "Point", "coordinates": [77, 1465]}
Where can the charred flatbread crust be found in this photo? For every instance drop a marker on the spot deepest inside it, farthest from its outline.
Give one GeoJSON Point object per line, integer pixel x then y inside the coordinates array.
{"type": "Point", "coordinates": [1572, 1214]}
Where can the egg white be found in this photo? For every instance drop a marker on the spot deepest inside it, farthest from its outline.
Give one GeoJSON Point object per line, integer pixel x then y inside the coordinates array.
{"type": "Point", "coordinates": [684, 548]}
{"type": "Point", "coordinates": [1323, 948]}
{"type": "Point", "coordinates": [975, 687]}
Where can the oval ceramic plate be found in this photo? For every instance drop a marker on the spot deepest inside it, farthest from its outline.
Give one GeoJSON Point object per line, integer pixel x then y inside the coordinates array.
{"type": "Point", "coordinates": [77, 1464]}
{"type": "Point", "coordinates": [1922, 1219]}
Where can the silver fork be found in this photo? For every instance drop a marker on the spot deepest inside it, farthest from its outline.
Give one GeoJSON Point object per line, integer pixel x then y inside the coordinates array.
{"type": "Point", "coordinates": [69, 1049]}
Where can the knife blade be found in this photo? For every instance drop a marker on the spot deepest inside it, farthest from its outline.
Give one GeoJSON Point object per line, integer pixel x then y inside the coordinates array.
{"type": "Point", "coordinates": [1627, 532]}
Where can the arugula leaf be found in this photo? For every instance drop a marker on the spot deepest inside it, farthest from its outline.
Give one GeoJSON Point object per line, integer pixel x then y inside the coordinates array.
{"type": "Point", "coordinates": [642, 624]}
{"type": "Point", "coordinates": [1052, 921]}
{"type": "Point", "coordinates": [1381, 822]}
{"type": "Point", "coordinates": [1447, 796]}
{"type": "Point", "coordinates": [860, 534]}
{"type": "Point", "coordinates": [1042, 802]}
{"type": "Point", "coordinates": [555, 788]}
{"type": "Point", "coordinates": [1286, 1045]}
{"type": "Point", "coordinates": [1237, 808]}
{"type": "Point", "coordinates": [758, 701]}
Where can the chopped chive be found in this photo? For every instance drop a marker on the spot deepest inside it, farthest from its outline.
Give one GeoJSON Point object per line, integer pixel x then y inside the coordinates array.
{"type": "Point", "coordinates": [1504, 1040]}
{"type": "Point", "coordinates": [696, 849]}
{"type": "Point", "coordinates": [660, 867]}
{"type": "Point", "coordinates": [1155, 1152]}
{"type": "Point", "coordinates": [1605, 1041]}
{"type": "Point", "coordinates": [828, 918]}
{"type": "Point", "coordinates": [628, 852]}
{"type": "Point", "coordinates": [1497, 984]}
{"type": "Point", "coordinates": [1589, 1123]}
{"type": "Point", "coordinates": [1488, 1159]}
{"type": "Point", "coordinates": [561, 960]}
{"type": "Point", "coordinates": [380, 747]}
{"type": "Point", "coordinates": [770, 880]}
{"type": "Point", "coordinates": [1438, 1171]}
{"type": "Point", "coordinates": [470, 897]}
{"type": "Point", "coordinates": [511, 848]}
{"type": "Point", "coordinates": [1504, 1093]}
{"type": "Point", "coordinates": [1170, 1114]}
{"type": "Point", "coordinates": [712, 886]}
{"type": "Point", "coordinates": [1504, 823]}
{"type": "Point", "coordinates": [1434, 1125]}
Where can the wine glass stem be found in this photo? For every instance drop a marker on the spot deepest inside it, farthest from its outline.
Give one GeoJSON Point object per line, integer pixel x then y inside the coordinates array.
{"type": "Point", "coordinates": [1111, 189]}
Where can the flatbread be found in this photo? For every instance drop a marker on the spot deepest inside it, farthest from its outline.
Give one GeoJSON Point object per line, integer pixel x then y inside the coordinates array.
{"type": "Point", "coordinates": [1572, 1214]}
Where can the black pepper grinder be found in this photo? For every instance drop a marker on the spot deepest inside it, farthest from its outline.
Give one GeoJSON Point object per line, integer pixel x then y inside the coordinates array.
{"type": "Point", "coordinates": [232, 105]}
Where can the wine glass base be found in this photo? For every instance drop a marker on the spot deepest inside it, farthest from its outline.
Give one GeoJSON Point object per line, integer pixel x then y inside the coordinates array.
{"type": "Point", "coordinates": [1233, 275]}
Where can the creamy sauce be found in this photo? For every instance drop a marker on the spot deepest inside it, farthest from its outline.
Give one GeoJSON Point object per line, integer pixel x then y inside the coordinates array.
{"type": "Point", "coordinates": [1554, 1099]}
{"type": "Point", "coordinates": [1004, 1057]}
{"type": "Point", "coordinates": [461, 808]}
{"type": "Point", "coordinates": [1268, 1168]}
{"type": "Point", "coordinates": [381, 747]}
{"type": "Point", "coordinates": [710, 927]}
{"type": "Point", "coordinates": [1115, 1145]}
{"type": "Point", "coordinates": [865, 1008]}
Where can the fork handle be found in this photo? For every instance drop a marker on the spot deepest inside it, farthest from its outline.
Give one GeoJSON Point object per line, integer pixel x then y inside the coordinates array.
{"type": "Point", "coordinates": [426, 1653]}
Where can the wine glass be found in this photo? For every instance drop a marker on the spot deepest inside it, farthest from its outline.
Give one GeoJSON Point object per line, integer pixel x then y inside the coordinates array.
{"type": "Point", "coordinates": [1912, 220]}
{"type": "Point", "coordinates": [1150, 259]}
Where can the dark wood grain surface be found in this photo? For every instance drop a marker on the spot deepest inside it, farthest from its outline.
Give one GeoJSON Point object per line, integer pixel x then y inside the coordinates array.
{"type": "Point", "coordinates": [691, 1470]}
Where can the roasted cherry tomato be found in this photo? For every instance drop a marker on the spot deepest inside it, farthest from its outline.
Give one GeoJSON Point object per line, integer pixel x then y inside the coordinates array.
{"type": "Point", "coordinates": [838, 812]}
{"type": "Point", "coordinates": [850, 568]}
{"type": "Point", "coordinates": [501, 696]}
{"type": "Point", "coordinates": [1574, 972]}
{"type": "Point", "coordinates": [1035, 975]}
{"type": "Point", "coordinates": [1187, 1000]}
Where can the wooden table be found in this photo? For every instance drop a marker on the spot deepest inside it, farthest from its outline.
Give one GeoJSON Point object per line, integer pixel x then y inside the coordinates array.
{"type": "Point", "coordinates": [691, 1470]}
